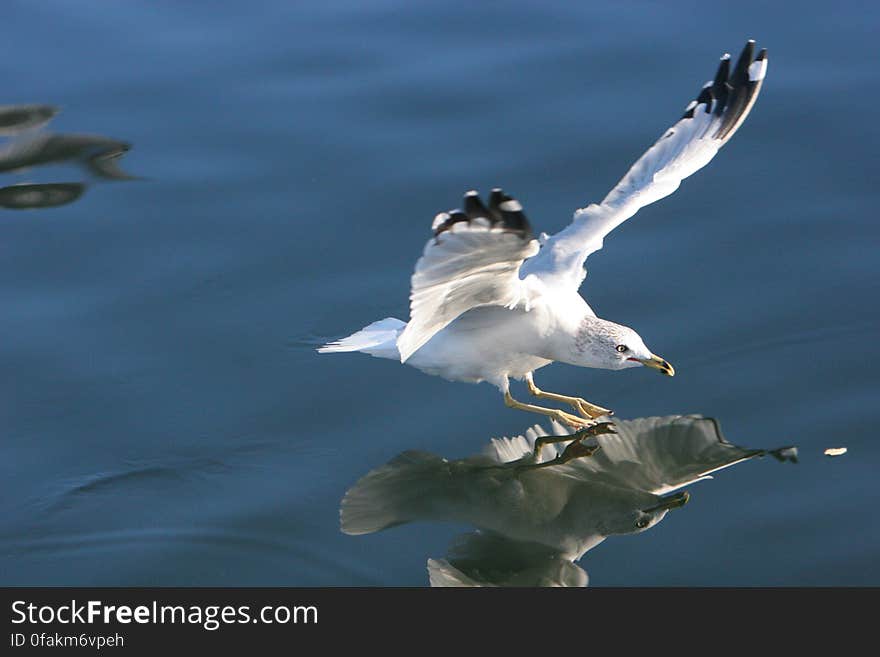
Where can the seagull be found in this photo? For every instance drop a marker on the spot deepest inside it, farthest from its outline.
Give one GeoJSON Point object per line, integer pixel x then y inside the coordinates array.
{"type": "Point", "coordinates": [489, 302]}
{"type": "Point", "coordinates": [534, 523]}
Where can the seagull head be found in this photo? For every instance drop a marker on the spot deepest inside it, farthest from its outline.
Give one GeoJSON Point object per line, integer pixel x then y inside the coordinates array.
{"type": "Point", "coordinates": [640, 517]}
{"type": "Point", "coordinates": [611, 346]}
{"type": "Point", "coordinates": [651, 515]}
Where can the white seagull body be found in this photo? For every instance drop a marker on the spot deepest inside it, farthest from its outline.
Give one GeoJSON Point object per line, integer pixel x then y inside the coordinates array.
{"type": "Point", "coordinates": [491, 303]}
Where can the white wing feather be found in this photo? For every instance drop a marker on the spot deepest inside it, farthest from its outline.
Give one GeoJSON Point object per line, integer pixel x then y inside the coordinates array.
{"type": "Point", "coordinates": [686, 147]}
{"type": "Point", "coordinates": [654, 454]}
{"type": "Point", "coordinates": [660, 454]}
{"type": "Point", "coordinates": [471, 262]}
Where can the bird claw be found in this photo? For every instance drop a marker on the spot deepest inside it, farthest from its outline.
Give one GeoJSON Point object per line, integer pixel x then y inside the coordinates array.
{"type": "Point", "coordinates": [575, 450]}
{"type": "Point", "coordinates": [576, 447]}
{"type": "Point", "coordinates": [594, 429]}
{"type": "Point", "coordinates": [592, 411]}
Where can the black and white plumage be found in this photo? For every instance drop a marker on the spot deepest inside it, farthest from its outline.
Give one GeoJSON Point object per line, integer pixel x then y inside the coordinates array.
{"type": "Point", "coordinates": [490, 303]}
{"type": "Point", "coordinates": [708, 123]}
{"type": "Point", "coordinates": [474, 259]}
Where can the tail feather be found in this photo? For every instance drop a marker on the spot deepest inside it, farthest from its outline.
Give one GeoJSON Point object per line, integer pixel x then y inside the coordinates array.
{"type": "Point", "coordinates": [377, 339]}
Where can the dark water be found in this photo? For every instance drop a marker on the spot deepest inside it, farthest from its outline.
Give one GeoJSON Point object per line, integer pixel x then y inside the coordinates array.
{"type": "Point", "coordinates": [164, 417]}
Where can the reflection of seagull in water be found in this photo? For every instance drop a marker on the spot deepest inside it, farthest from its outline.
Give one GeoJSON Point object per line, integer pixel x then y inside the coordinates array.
{"type": "Point", "coordinates": [31, 147]}
{"type": "Point", "coordinates": [39, 195]}
{"type": "Point", "coordinates": [15, 119]}
{"type": "Point", "coordinates": [489, 303]}
{"type": "Point", "coordinates": [535, 522]}
{"type": "Point", "coordinates": [99, 155]}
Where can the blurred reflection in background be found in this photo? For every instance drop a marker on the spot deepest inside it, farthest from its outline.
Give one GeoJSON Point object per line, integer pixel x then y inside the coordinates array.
{"type": "Point", "coordinates": [533, 523]}
{"type": "Point", "coordinates": [26, 146]}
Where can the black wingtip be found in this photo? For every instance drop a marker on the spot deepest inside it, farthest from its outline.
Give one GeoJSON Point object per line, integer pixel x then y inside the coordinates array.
{"type": "Point", "coordinates": [504, 211]}
{"type": "Point", "coordinates": [473, 206]}
{"type": "Point", "coordinates": [705, 97]}
{"type": "Point", "coordinates": [510, 214]}
{"type": "Point", "coordinates": [496, 198]}
{"type": "Point", "coordinates": [741, 70]}
{"type": "Point", "coordinates": [720, 88]}
{"type": "Point", "coordinates": [785, 454]}
{"type": "Point", "coordinates": [743, 86]}
{"type": "Point", "coordinates": [723, 72]}
{"type": "Point", "coordinates": [513, 218]}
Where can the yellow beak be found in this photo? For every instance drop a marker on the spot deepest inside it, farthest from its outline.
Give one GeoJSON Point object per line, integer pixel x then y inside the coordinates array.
{"type": "Point", "coordinates": [670, 502]}
{"type": "Point", "coordinates": [657, 363]}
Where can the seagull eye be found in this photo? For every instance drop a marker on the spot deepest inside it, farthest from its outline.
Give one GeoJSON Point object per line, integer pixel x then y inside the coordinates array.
{"type": "Point", "coordinates": [641, 523]}
{"type": "Point", "coordinates": [622, 348]}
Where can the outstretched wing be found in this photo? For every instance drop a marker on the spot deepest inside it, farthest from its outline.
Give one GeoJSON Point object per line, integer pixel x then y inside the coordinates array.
{"type": "Point", "coordinates": [652, 454]}
{"type": "Point", "coordinates": [661, 454]}
{"type": "Point", "coordinates": [472, 260]}
{"type": "Point", "coordinates": [689, 145]}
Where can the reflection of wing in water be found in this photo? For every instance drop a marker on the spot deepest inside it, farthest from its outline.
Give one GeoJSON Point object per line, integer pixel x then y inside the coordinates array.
{"type": "Point", "coordinates": [653, 454]}
{"type": "Point", "coordinates": [20, 118]}
{"type": "Point", "coordinates": [43, 195]}
{"type": "Point", "coordinates": [30, 147]}
{"type": "Point", "coordinates": [557, 512]}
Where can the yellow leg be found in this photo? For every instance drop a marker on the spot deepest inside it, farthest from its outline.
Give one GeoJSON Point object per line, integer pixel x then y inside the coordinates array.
{"type": "Point", "coordinates": [561, 416]}
{"type": "Point", "coordinates": [582, 406]}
